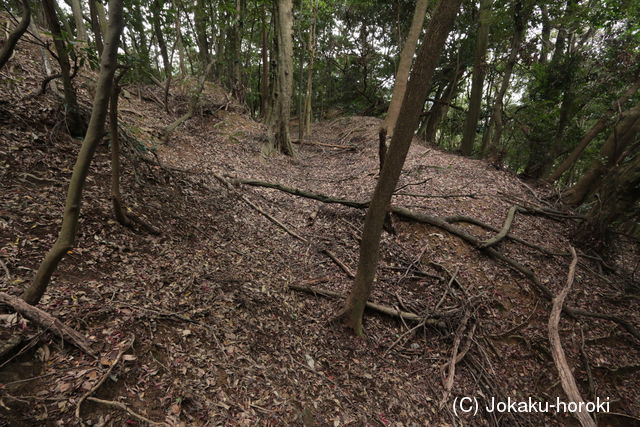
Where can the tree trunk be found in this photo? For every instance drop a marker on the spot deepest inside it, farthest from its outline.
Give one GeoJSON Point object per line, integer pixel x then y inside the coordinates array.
{"type": "Point", "coordinates": [157, 29]}
{"type": "Point", "coordinates": [494, 130]}
{"type": "Point", "coordinates": [281, 110]}
{"type": "Point", "coordinates": [618, 196]}
{"type": "Point", "coordinates": [545, 35]}
{"type": "Point", "coordinates": [116, 197]}
{"type": "Point", "coordinates": [81, 30]}
{"type": "Point", "coordinates": [95, 131]}
{"type": "Point", "coordinates": [621, 137]}
{"type": "Point", "coordinates": [305, 123]}
{"type": "Point", "coordinates": [264, 77]}
{"type": "Point", "coordinates": [237, 87]}
{"type": "Point", "coordinates": [11, 41]}
{"type": "Point", "coordinates": [74, 122]}
{"type": "Point", "coordinates": [416, 94]}
{"type": "Point", "coordinates": [593, 132]}
{"type": "Point", "coordinates": [404, 67]}
{"type": "Point", "coordinates": [95, 26]}
{"type": "Point", "coordinates": [200, 19]}
{"type": "Point", "coordinates": [477, 81]}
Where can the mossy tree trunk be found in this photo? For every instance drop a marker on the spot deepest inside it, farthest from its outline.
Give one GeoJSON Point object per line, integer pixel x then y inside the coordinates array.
{"type": "Point", "coordinates": [95, 132]}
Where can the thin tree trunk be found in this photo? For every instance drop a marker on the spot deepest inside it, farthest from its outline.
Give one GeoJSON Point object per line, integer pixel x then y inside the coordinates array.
{"type": "Point", "coordinates": [594, 131]}
{"type": "Point", "coordinates": [545, 35]}
{"type": "Point", "coordinates": [201, 33]}
{"type": "Point", "coordinates": [281, 110]}
{"type": "Point", "coordinates": [264, 77]}
{"type": "Point", "coordinates": [404, 67]}
{"type": "Point", "coordinates": [11, 41]}
{"type": "Point", "coordinates": [116, 197]}
{"type": "Point", "coordinates": [95, 131]}
{"type": "Point", "coordinates": [305, 123]}
{"type": "Point", "coordinates": [621, 137]}
{"type": "Point", "coordinates": [477, 81]}
{"type": "Point", "coordinates": [617, 197]}
{"type": "Point", "coordinates": [76, 9]}
{"type": "Point", "coordinates": [73, 119]}
{"type": "Point", "coordinates": [157, 29]}
{"type": "Point", "coordinates": [494, 130]}
{"type": "Point", "coordinates": [95, 26]}
{"type": "Point", "coordinates": [416, 94]}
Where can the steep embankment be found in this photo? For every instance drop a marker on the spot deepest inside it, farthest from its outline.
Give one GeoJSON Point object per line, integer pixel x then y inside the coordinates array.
{"type": "Point", "coordinates": [219, 337]}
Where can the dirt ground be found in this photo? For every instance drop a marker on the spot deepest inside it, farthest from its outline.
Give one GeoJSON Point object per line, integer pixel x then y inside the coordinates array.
{"type": "Point", "coordinates": [207, 328]}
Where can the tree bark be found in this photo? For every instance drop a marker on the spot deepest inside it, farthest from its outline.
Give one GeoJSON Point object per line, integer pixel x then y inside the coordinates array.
{"type": "Point", "coordinates": [594, 131]}
{"type": "Point", "coordinates": [11, 41]}
{"type": "Point", "coordinates": [74, 122]}
{"type": "Point", "coordinates": [416, 93]}
{"type": "Point", "coordinates": [477, 81]}
{"type": "Point", "coordinates": [280, 139]}
{"type": "Point", "coordinates": [95, 131]}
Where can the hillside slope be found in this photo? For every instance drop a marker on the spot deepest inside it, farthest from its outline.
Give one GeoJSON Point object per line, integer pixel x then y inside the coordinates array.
{"type": "Point", "coordinates": [220, 337]}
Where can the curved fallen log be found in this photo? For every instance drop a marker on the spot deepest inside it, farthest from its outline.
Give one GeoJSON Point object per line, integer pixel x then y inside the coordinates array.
{"type": "Point", "coordinates": [47, 321]}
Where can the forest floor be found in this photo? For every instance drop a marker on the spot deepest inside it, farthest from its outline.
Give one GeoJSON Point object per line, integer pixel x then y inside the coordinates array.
{"type": "Point", "coordinates": [218, 336]}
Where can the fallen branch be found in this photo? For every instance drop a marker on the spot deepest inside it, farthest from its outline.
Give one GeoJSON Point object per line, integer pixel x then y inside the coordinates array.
{"type": "Point", "coordinates": [339, 263]}
{"type": "Point", "coordinates": [127, 410]}
{"type": "Point", "coordinates": [47, 321]}
{"type": "Point", "coordinates": [321, 144]}
{"type": "Point", "coordinates": [258, 209]}
{"type": "Point", "coordinates": [448, 384]}
{"type": "Point", "coordinates": [432, 319]}
{"type": "Point", "coordinates": [437, 196]}
{"type": "Point", "coordinates": [505, 229]}
{"type": "Point", "coordinates": [566, 377]}
{"type": "Point", "coordinates": [93, 389]}
{"type": "Point", "coordinates": [443, 224]}
{"type": "Point", "coordinates": [302, 193]}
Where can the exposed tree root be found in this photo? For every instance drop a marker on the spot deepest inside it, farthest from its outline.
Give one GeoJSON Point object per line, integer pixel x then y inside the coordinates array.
{"type": "Point", "coordinates": [127, 410]}
{"type": "Point", "coordinates": [47, 321]}
{"type": "Point", "coordinates": [339, 263]}
{"type": "Point", "coordinates": [505, 229]}
{"type": "Point", "coordinates": [93, 389]}
{"type": "Point", "coordinates": [445, 225]}
{"type": "Point", "coordinates": [433, 319]}
{"type": "Point", "coordinates": [566, 376]}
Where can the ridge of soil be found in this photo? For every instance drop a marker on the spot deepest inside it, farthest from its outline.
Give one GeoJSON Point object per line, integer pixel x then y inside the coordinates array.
{"type": "Point", "coordinates": [219, 337]}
